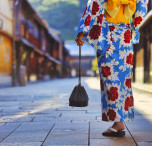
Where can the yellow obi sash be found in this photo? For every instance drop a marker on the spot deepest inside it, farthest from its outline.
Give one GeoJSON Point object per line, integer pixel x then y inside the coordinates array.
{"type": "Point", "coordinates": [119, 10]}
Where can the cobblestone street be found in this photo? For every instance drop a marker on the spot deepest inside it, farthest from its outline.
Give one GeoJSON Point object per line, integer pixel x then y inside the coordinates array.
{"type": "Point", "coordinates": [39, 114]}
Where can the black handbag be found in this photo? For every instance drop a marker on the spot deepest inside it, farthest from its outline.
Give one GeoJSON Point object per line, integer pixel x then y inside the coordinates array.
{"type": "Point", "coordinates": [79, 97]}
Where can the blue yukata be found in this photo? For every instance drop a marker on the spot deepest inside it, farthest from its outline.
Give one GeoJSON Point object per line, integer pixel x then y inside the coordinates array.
{"type": "Point", "coordinates": [113, 43]}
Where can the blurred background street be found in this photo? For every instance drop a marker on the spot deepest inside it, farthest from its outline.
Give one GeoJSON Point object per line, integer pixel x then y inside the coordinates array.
{"type": "Point", "coordinates": [39, 114]}
{"type": "Point", "coordinates": [39, 61]}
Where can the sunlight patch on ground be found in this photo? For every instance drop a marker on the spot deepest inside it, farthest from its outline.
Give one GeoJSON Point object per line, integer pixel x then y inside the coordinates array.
{"type": "Point", "coordinates": [93, 83]}
{"type": "Point", "coordinates": [143, 103]}
{"type": "Point", "coordinates": [46, 105]}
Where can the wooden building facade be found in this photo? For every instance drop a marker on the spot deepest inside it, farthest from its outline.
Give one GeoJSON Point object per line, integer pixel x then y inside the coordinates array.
{"type": "Point", "coordinates": [6, 32]}
{"type": "Point", "coordinates": [41, 53]}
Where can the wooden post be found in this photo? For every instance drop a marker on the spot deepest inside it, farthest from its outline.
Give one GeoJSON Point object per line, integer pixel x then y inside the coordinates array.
{"type": "Point", "coordinates": [14, 77]}
{"type": "Point", "coordinates": [147, 57]}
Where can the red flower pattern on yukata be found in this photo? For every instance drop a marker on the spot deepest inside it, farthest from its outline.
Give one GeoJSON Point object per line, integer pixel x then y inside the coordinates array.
{"type": "Point", "coordinates": [87, 20]}
{"type": "Point", "coordinates": [128, 25]}
{"type": "Point", "coordinates": [128, 83]}
{"type": "Point", "coordinates": [127, 36]}
{"type": "Point", "coordinates": [108, 48]}
{"type": "Point", "coordinates": [111, 38]}
{"type": "Point", "coordinates": [129, 59]}
{"type": "Point", "coordinates": [101, 84]}
{"type": "Point", "coordinates": [106, 71]}
{"type": "Point", "coordinates": [112, 114]}
{"type": "Point", "coordinates": [147, 5]}
{"type": "Point", "coordinates": [131, 101]}
{"type": "Point", "coordinates": [100, 18]}
{"type": "Point", "coordinates": [112, 93]}
{"type": "Point", "coordinates": [95, 32]}
{"type": "Point", "coordinates": [95, 8]}
{"type": "Point", "coordinates": [111, 28]}
{"type": "Point", "coordinates": [104, 117]}
{"type": "Point", "coordinates": [127, 104]}
{"type": "Point", "coordinates": [84, 11]}
{"type": "Point", "coordinates": [137, 21]}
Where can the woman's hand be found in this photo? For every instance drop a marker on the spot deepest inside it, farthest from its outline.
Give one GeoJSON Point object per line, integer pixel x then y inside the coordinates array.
{"type": "Point", "coordinates": [79, 39]}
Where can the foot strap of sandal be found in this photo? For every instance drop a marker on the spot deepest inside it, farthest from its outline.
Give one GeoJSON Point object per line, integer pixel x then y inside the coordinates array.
{"type": "Point", "coordinates": [112, 129]}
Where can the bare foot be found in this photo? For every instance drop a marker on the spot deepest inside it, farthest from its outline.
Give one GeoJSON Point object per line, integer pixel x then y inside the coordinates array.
{"type": "Point", "coordinates": [117, 126]}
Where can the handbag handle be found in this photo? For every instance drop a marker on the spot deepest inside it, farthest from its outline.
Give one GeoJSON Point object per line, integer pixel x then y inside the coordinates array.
{"type": "Point", "coordinates": [79, 65]}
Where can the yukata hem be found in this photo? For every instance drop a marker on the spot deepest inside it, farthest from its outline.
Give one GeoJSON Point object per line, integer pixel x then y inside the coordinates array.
{"type": "Point", "coordinates": [126, 119]}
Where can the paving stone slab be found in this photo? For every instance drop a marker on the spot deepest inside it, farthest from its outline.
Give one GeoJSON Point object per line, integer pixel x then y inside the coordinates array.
{"type": "Point", "coordinates": [141, 136]}
{"type": "Point", "coordinates": [112, 142]}
{"type": "Point", "coordinates": [81, 114]}
{"type": "Point", "coordinates": [23, 98]}
{"type": "Point", "coordinates": [9, 127]}
{"type": "Point", "coordinates": [145, 143]}
{"type": "Point", "coordinates": [66, 139]}
{"type": "Point", "coordinates": [11, 108]}
{"type": "Point", "coordinates": [17, 120]}
{"type": "Point", "coordinates": [142, 127]}
{"type": "Point", "coordinates": [138, 122]}
{"type": "Point", "coordinates": [26, 137]}
{"type": "Point", "coordinates": [80, 121]}
{"type": "Point", "coordinates": [66, 117]}
{"type": "Point", "coordinates": [68, 127]}
{"type": "Point", "coordinates": [1, 124]}
{"type": "Point", "coordinates": [98, 118]}
{"type": "Point", "coordinates": [100, 124]}
{"type": "Point", "coordinates": [141, 120]}
{"type": "Point", "coordinates": [44, 111]}
{"type": "Point", "coordinates": [71, 108]}
{"type": "Point", "coordinates": [63, 145]}
{"type": "Point", "coordinates": [139, 126]}
{"type": "Point", "coordinates": [1, 140]}
{"type": "Point", "coordinates": [69, 113]}
{"type": "Point", "coordinates": [68, 110]}
{"type": "Point", "coordinates": [75, 115]}
{"type": "Point", "coordinates": [53, 114]}
{"type": "Point", "coordinates": [15, 112]}
{"type": "Point", "coordinates": [34, 126]}
{"type": "Point", "coordinates": [21, 144]}
{"type": "Point", "coordinates": [142, 116]}
{"type": "Point", "coordinates": [46, 119]}
{"type": "Point", "coordinates": [13, 104]}
{"type": "Point", "coordinates": [4, 134]}
{"type": "Point", "coordinates": [98, 112]}
{"type": "Point", "coordinates": [77, 118]}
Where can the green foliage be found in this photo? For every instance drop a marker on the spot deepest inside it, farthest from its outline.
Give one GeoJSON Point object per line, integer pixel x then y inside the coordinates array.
{"type": "Point", "coordinates": [63, 15]}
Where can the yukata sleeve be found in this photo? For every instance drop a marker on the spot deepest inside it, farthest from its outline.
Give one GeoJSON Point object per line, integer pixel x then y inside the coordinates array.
{"type": "Point", "coordinates": [89, 16]}
{"type": "Point", "coordinates": [84, 21]}
{"type": "Point", "coordinates": [140, 13]}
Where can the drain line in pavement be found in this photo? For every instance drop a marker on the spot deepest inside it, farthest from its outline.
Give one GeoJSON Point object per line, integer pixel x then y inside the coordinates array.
{"type": "Point", "coordinates": [131, 135]}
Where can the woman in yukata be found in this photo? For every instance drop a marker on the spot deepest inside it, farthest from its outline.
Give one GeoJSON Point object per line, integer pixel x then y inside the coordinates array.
{"type": "Point", "coordinates": [111, 28]}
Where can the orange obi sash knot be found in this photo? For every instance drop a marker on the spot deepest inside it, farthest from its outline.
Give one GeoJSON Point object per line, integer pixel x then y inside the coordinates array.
{"type": "Point", "coordinates": [113, 7]}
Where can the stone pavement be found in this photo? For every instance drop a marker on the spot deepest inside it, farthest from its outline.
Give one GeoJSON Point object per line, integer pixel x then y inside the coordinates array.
{"type": "Point", "coordinates": [39, 115]}
{"type": "Point", "coordinates": [146, 87]}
